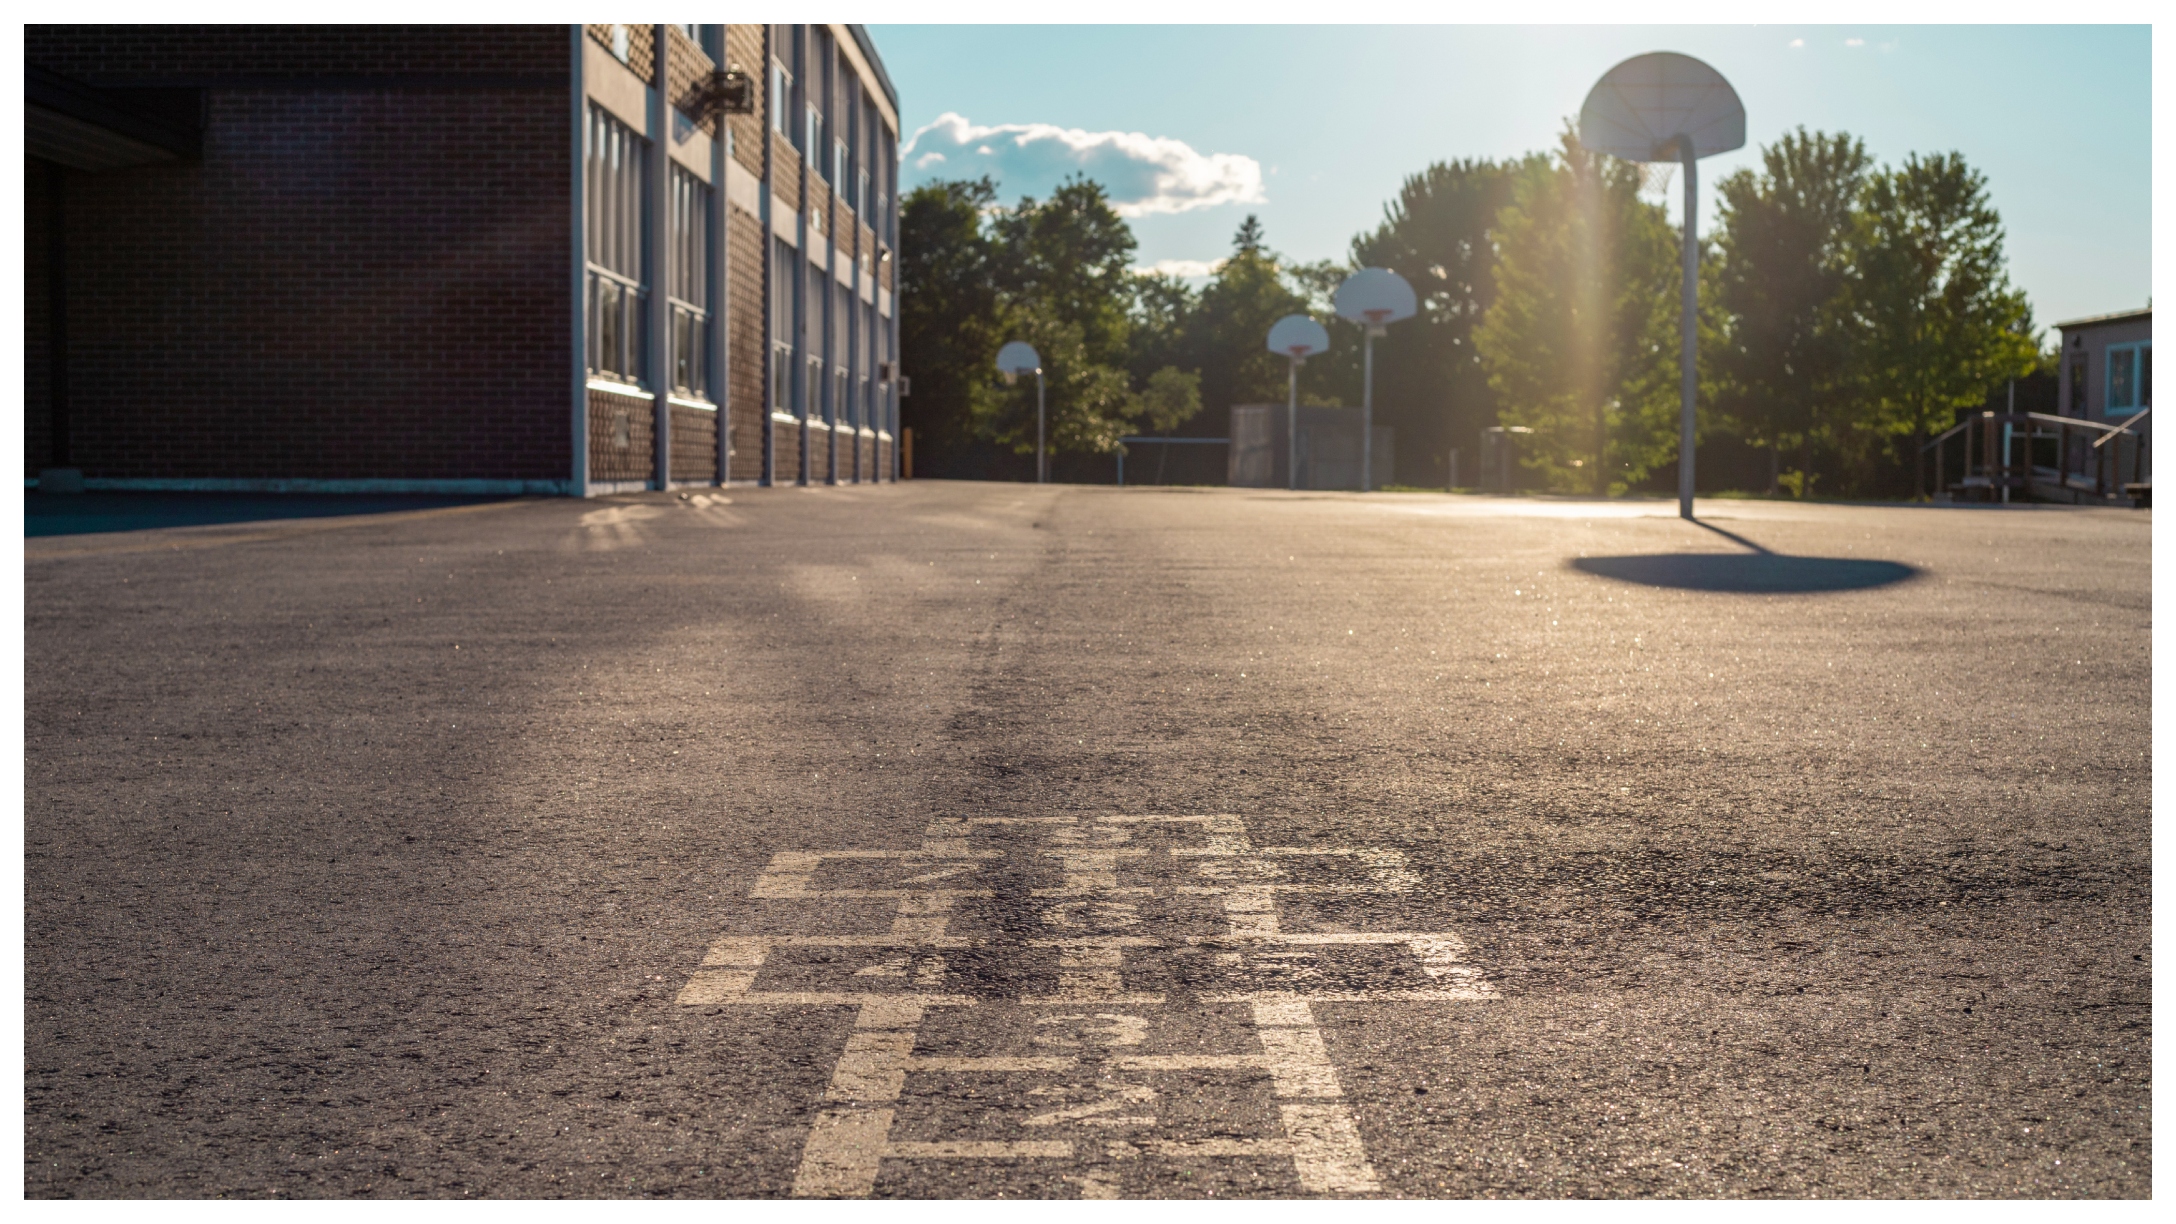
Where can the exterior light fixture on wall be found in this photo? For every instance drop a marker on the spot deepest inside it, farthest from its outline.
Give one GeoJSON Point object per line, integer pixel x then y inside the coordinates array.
{"type": "Point", "coordinates": [728, 91]}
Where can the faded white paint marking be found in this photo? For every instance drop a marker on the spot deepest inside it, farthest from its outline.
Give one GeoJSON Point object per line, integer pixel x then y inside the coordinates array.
{"type": "Point", "coordinates": [1121, 1030]}
{"type": "Point", "coordinates": [873, 1068]}
{"type": "Point", "coordinates": [1090, 903]}
{"type": "Point", "coordinates": [981, 1150]}
{"type": "Point", "coordinates": [1119, 1096]}
{"type": "Point", "coordinates": [1326, 1150]}
{"type": "Point", "coordinates": [841, 1156]}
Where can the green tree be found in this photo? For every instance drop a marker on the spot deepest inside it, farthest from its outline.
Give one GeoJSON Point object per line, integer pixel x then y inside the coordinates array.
{"type": "Point", "coordinates": [948, 312]}
{"type": "Point", "coordinates": [1227, 334]}
{"type": "Point", "coordinates": [1438, 235]}
{"type": "Point", "coordinates": [1580, 344]}
{"type": "Point", "coordinates": [1942, 323]}
{"type": "Point", "coordinates": [1062, 272]}
{"type": "Point", "coordinates": [1786, 362]}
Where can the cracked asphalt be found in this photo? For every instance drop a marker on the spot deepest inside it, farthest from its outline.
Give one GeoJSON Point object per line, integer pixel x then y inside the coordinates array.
{"type": "Point", "coordinates": [1805, 853]}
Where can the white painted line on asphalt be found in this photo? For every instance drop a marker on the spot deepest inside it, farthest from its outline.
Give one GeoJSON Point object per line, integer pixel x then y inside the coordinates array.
{"type": "Point", "coordinates": [841, 1155]}
{"type": "Point", "coordinates": [852, 1134]}
{"type": "Point", "coordinates": [1326, 1150]}
{"type": "Point", "coordinates": [873, 1067]}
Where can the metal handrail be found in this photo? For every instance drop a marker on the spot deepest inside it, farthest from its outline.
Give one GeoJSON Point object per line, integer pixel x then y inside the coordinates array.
{"type": "Point", "coordinates": [2101, 441]}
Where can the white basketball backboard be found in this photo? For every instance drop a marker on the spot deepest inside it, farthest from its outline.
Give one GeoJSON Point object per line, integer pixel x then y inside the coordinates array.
{"type": "Point", "coordinates": [1298, 336]}
{"type": "Point", "coordinates": [1375, 296]}
{"type": "Point", "coordinates": [1639, 109]}
{"type": "Point", "coordinates": [1019, 357]}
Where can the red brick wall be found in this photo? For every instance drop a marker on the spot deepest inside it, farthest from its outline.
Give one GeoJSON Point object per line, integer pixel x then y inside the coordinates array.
{"type": "Point", "coordinates": [37, 382]}
{"type": "Point", "coordinates": [694, 444]}
{"type": "Point", "coordinates": [744, 47]}
{"type": "Point", "coordinates": [745, 307]}
{"type": "Point", "coordinates": [353, 282]}
{"type": "Point", "coordinates": [622, 437]}
{"type": "Point", "coordinates": [785, 171]}
{"type": "Point", "coordinates": [641, 47]}
{"type": "Point", "coordinates": [206, 55]}
{"type": "Point", "coordinates": [786, 444]}
{"type": "Point", "coordinates": [686, 69]}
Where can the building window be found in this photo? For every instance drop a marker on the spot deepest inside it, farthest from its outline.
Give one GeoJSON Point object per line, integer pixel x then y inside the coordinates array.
{"type": "Point", "coordinates": [2130, 378]}
{"type": "Point", "coordinates": [785, 273]}
{"type": "Point", "coordinates": [694, 33]}
{"type": "Point", "coordinates": [813, 387]}
{"type": "Point", "coordinates": [838, 166]}
{"type": "Point", "coordinates": [841, 407]}
{"type": "Point", "coordinates": [621, 40]}
{"type": "Point", "coordinates": [781, 98]}
{"type": "Point", "coordinates": [861, 199]}
{"type": "Point", "coordinates": [613, 157]}
{"type": "Point", "coordinates": [812, 148]}
{"type": "Point", "coordinates": [688, 283]}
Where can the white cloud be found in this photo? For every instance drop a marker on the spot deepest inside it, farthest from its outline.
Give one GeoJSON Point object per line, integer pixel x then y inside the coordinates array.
{"type": "Point", "coordinates": [1144, 174]}
{"type": "Point", "coordinates": [1854, 42]}
{"type": "Point", "coordinates": [1797, 42]}
{"type": "Point", "coordinates": [1185, 269]}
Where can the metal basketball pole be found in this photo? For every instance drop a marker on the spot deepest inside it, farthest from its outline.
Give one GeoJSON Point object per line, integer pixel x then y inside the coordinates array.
{"type": "Point", "coordinates": [1689, 342]}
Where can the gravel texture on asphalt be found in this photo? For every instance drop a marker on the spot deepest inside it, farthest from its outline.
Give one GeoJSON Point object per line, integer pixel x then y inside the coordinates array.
{"type": "Point", "coordinates": [1805, 852]}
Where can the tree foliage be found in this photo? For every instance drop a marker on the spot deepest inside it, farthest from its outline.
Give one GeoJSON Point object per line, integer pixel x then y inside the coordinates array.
{"type": "Point", "coordinates": [1786, 365]}
{"type": "Point", "coordinates": [1939, 319]}
{"type": "Point", "coordinates": [1580, 344]}
{"type": "Point", "coordinates": [1844, 308]}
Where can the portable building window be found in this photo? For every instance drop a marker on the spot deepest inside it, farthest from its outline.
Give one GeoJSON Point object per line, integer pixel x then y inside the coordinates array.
{"type": "Point", "coordinates": [688, 282]}
{"type": "Point", "coordinates": [613, 159]}
{"type": "Point", "coordinates": [2130, 378]}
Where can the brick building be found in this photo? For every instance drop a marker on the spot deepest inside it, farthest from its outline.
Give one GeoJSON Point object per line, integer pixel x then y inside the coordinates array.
{"type": "Point", "coordinates": [459, 259]}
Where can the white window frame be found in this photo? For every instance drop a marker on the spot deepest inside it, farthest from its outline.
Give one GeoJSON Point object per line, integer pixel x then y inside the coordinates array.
{"type": "Point", "coordinates": [781, 97]}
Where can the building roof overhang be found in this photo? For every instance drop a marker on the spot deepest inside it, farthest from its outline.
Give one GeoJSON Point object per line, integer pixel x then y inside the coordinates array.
{"type": "Point", "coordinates": [2121, 316]}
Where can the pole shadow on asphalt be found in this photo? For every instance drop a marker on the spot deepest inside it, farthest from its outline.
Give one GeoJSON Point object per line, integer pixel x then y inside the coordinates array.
{"type": "Point", "coordinates": [1758, 571]}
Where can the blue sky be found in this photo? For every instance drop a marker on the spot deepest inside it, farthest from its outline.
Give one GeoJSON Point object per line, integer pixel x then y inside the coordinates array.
{"type": "Point", "coordinates": [1313, 128]}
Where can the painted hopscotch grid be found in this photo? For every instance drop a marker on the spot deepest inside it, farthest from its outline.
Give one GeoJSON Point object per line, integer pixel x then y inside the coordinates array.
{"type": "Point", "coordinates": [1087, 925]}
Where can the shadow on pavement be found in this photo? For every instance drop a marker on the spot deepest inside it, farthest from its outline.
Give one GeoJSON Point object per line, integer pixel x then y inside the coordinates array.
{"type": "Point", "coordinates": [61, 514]}
{"type": "Point", "coordinates": [1759, 571]}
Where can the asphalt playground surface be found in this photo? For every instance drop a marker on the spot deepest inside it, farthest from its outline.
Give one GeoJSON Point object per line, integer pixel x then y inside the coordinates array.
{"type": "Point", "coordinates": [992, 841]}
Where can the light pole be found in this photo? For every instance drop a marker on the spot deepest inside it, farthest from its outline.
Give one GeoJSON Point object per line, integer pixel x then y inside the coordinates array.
{"type": "Point", "coordinates": [1374, 298]}
{"type": "Point", "coordinates": [1663, 106]}
{"type": "Point", "coordinates": [1015, 359]}
{"type": "Point", "coordinates": [1298, 338]}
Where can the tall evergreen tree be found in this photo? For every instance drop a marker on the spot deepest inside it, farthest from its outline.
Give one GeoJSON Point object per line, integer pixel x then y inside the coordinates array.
{"type": "Point", "coordinates": [1228, 332]}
